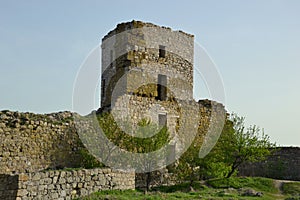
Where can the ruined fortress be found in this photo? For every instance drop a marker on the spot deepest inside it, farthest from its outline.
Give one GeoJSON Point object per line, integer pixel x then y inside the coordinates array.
{"type": "Point", "coordinates": [147, 72]}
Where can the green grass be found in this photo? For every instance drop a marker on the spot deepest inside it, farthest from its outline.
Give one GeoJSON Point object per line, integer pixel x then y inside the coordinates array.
{"type": "Point", "coordinates": [257, 183]}
{"type": "Point", "coordinates": [212, 189]}
{"type": "Point", "coordinates": [291, 188]}
{"type": "Point", "coordinates": [184, 187]}
{"type": "Point", "coordinates": [155, 195]}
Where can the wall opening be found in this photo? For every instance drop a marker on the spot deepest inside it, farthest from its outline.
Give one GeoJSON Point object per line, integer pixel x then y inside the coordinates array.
{"type": "Point", "coordinates": [125, 68]}
{"type": "Point", "coordinates": [103, 87]}
{"type": "Point", "coordinates": [171, 157]}
{"type": "Point", "coordinates": [162, 51]}
{"type": "Point", "coordinates": [162, 87]}
{"type": "Point", "coordinates": [111, 57]}
{"type": "Point", "coordinates": [162, 120]}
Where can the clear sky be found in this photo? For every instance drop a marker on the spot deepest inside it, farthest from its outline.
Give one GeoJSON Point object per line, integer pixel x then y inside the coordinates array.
{"type": "Point", "coordinates": [255, 44]}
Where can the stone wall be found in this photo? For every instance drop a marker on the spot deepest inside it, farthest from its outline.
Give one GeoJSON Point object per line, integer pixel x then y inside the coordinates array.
{"type": "Point", "coordinates": [184, 118]}
{"type": "Point", "coordinates": [158, 178]}
{"type": "Point", "coordinates": [32, 142]}
{"type": "Point", "coordinates": [147, 72]}
{"type": "Point", "coordinates": [131, 55]}
{"type": "Point", "coordinates": [284, 163]}
{"type": "Point", "coordinates": [51, 141]}
{"type": "Point", "coordinates": [61, 185]}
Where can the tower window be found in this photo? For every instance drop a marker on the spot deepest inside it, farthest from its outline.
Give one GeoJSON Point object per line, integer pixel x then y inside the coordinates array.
{"type": "Point", "coordinates": [162, 120]}
{"type": "Point", "coordinates": [111, 57]}
{"type": "Point", "coordinates": [103, 87]}
{"type": "Point", "coordinates": [125, 68]}
{"type": "Point", "coordinates": [161, 87]}
{"type": "Point", "coordinates": [162, 51]}
{"type": "Point", "coordinates": [171, 153]}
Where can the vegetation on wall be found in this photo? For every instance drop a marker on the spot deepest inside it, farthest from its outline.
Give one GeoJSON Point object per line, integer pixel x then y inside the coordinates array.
{"type": "Point", "coordinates": [236, 145]}
{"type": "Point", "coordinates": [89, 161]}
{"type": "Point", "coordinates": [135, 142]}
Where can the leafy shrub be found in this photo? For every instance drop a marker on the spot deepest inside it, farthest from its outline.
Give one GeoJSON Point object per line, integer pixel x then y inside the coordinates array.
{"type": "Point", "coordinates": [89, 161]}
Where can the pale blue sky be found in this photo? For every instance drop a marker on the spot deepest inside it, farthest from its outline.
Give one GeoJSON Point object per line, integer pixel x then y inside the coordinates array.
{"type": "Point", "coordinates": [255, 44]}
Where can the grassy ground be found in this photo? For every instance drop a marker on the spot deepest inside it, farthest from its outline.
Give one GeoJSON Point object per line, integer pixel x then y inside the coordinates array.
{"type": "Point", "coordinates": [233, 188]}
{"type": "Point", "coordinates": [291, 188]}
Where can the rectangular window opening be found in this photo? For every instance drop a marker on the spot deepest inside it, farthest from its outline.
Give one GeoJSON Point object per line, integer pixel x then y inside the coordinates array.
{"type": "Point", "coordinates": [162, 87]}
{"type": "Point", "coordinates": [111, 57]}
{"type": "Point", "coordinates": [103, 87]}
{"type": "Point", "coordinates": [171, 156]}
{"type": "Point", "coordinates": [162, 51]}
{"type": "Point", "coordinates": [125, 68]}
{"type": "Point", "coordinates": [162, 120]}
{"type": "Point", "coordinates": [171, 152]}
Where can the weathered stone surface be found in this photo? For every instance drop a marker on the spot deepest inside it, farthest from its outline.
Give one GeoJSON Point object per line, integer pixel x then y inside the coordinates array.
{"type": "Point", "coordinates": [31, 143]}
{"type": "Point", "coordinates": [23, 177]}
{"type": "Point", "coordinates": [131, 55]}
{"type": "Point", "coordinates": [283, 163]}
{"type": "Point", "coordinates": [35, 142]}
{"type": "Point", "coordinates": [38, 142]}
{"type": "Point", "coordinates": [33, 188]}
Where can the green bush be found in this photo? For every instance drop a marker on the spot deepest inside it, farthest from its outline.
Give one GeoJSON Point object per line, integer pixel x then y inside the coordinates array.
{"type": "Point", "coordinates": [89, 161]}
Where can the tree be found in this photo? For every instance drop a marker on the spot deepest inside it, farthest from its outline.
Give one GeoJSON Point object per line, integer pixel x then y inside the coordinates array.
{"type": "Point", "coordinates": [146, 137]}
{"type": "Point", "coordinates": [149, 144]}
{"type": "Point", "coordinates": [188, 166]}
{"type": "Point", "coordinates": [191, 167]}
{"type": "Point", "coordinates": [238, 145]}
{"type": "Point", "coordinates": [112, 131]}
{"type": "Point", "coordinates": [212, 165]}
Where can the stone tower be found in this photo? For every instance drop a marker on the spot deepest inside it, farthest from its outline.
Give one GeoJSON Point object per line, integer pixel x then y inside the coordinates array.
{"type": "Point", "coordinates": [146, 71]}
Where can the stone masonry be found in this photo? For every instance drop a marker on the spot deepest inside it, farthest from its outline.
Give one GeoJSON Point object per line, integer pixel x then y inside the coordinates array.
{"type": "Point", "coordinates": [147, 72]}
{"type": "Point", "coordinates": [283, 163]}
{"type": "Point", "coordinates": [33, 142]}
{"type": "Point", "coordinates": [59, 184]}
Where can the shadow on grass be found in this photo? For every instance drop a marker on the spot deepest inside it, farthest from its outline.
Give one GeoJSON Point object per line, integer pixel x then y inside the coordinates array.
{"type": "Point", "coordinates": [263, 184]}
{"type": "Point", "coordinates": [183, 187]}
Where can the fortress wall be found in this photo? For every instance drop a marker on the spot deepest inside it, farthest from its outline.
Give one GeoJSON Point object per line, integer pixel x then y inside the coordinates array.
{"type": "Point", "coordinates": [32, 142]}
{"type": "Point", "coordinates": [284, 164]}
{"type": "Point", "coordinates": [54, 185]}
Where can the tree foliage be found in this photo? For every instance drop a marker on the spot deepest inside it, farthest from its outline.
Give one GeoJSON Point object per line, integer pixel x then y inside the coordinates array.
{"type": "Point", "coordinates": [237, 145]}
{"type": "Point", "coordinates": [188, 166]}
{"type": "Point", "coordinates": [144, 138]}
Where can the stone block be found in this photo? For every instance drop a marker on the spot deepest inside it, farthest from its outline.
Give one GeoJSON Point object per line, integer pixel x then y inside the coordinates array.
{"type": "Point", "coordinates": [22, 193]}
